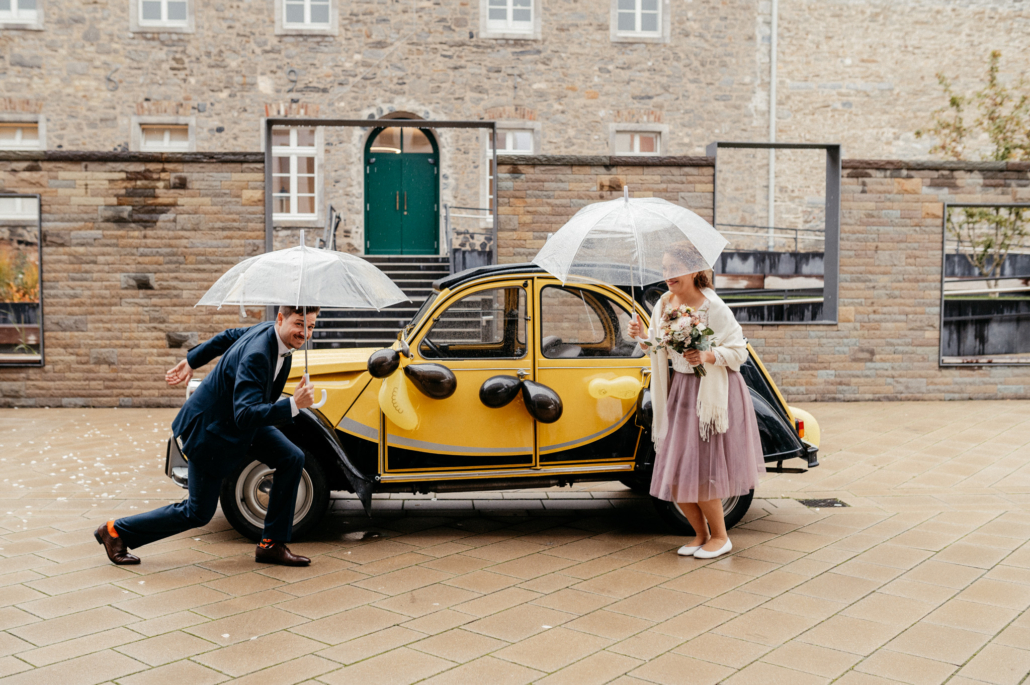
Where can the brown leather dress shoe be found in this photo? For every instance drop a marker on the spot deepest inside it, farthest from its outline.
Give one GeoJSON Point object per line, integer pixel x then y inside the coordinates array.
{"type": "Point", "coordinates": [115, 547]}
{"type": "Point", "coordinates": [279, 553]}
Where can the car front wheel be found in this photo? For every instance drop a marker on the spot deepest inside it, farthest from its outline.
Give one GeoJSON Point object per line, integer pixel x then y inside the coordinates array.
{"type": "Point", "coordinates": [733, 510]}
{"type": "Point", "coordinates": [246, 490]}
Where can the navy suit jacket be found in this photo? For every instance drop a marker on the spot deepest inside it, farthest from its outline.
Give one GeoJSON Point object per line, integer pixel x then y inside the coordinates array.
{"type": "Point", "coordinates": [217, 424]}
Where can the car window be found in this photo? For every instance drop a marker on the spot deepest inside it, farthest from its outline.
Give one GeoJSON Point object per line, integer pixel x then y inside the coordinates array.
{"type": "Point", "coordinates": [577, 322]}
{"type": "Point", "coordinates": [481, 325]}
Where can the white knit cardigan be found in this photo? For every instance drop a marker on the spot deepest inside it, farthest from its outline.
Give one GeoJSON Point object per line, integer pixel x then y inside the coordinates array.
{"type": "Point", "coordinates": [713, 395]}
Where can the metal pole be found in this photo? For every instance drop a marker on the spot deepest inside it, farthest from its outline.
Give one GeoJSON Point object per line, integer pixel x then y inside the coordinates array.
{"type": "Point", "coordinates": [772, 124]}
{"type": "Point", "coordinates": [269, 311]}
{"type": "Point", "coordinates": [493, 208]}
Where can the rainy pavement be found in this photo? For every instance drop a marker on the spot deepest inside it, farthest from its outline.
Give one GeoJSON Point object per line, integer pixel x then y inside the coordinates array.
{"type": "Point", "coordinates": [923, 577]}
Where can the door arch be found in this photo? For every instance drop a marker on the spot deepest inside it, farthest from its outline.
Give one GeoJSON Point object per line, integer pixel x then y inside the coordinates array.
{"type": "Point", "coordinates": [402, 192]}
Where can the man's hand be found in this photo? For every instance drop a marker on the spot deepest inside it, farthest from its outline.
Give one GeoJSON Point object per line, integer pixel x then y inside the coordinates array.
{"type": "Point", "coordinates": [304, 395]}
{"type": "Point", "coordinates": [180, 373]}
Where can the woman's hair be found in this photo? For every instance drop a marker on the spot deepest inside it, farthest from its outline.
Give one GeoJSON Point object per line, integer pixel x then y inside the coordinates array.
{"type": "Point", "coordinates": [686, 254]}
{"type": "Point", "coordinates": [703, 280]}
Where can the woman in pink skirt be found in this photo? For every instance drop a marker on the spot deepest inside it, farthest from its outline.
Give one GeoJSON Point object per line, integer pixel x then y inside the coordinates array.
{"type": "Point", "coordinates": [705, 430]}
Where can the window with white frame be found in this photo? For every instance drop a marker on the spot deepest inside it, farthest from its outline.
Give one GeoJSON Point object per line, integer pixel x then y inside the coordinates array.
{"type": "Point", "coordinates": [510, 16]}
{"type": "Point", "coordinates": [18, 207]}
{"type": "Point", "coordinates": [639, 18]}
{"type": "Point", "coordinates": [164, 138]}
{"type": "Point", "coordinates": [306, 14]}
{"type": "Point", "coordinates": [294, 173]}
{"type": "Point", "coordinates": [19, 136]}
{"type": "Point", "coordinates": [638, 143]}
{"type": "Point", "coordinates": [163, 13]}
{"type": "Point", "coordinates": [19, 12]}
{"type": "Point", "coordinates": [509, 142]}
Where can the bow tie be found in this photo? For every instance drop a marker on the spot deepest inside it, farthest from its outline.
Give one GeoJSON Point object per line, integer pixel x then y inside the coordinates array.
{"type": "Point", "coordinates": [287, 353]}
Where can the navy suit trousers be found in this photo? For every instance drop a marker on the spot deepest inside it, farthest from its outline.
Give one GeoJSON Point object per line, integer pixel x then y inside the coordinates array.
{"type": "Point", "coordinates": [270, 447]}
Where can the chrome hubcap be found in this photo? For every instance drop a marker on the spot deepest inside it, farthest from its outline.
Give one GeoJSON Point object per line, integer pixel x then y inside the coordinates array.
{"type": "Point", "coordinates": [254, 488]}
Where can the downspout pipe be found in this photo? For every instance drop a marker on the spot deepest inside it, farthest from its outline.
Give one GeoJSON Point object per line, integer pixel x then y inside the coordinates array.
{"type": "Point", "coordinates": [773, 30]}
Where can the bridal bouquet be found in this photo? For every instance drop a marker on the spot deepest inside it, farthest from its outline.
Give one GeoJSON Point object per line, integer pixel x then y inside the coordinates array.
{"type": "Point", "coordinates": [680, 330]}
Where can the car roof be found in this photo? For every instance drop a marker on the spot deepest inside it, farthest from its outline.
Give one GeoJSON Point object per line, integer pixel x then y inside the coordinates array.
{"type": "Point", "coordinates": [484, 271]}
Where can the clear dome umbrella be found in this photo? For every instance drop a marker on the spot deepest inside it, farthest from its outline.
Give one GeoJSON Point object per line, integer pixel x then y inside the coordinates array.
{"type": "Point", "coordinates": [623, 242]}
{"type": "Point", "coordinates": [304, 277]}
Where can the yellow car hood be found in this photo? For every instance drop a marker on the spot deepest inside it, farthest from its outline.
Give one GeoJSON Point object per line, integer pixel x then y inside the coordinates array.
{"type": "Point", "coordinates": [325, 362]}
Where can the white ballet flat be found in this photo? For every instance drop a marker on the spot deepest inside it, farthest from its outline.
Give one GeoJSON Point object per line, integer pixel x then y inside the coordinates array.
{"type": "Point", "coordinates": [685, 551]}
{"type": "Point", "coordinates": [702, 554]}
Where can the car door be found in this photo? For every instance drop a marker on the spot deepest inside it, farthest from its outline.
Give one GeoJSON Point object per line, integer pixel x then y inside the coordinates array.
{"type": "Point", "coordinates": [477, 333]}
{"type": "Point", "coordinates": [585, 354]}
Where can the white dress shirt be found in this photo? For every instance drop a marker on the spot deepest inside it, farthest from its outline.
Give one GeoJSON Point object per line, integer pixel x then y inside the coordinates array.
{"type": "Point", "coordinates": [283, 349]}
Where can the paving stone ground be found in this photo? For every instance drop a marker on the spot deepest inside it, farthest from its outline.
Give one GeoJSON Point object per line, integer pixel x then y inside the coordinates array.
{"type": "Point", "coordinates": [924, 578]}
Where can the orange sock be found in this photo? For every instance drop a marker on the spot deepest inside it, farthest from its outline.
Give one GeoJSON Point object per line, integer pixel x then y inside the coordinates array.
{"type": "Point", "coordinates": [266, 543]}
{"type": "Point", "coordinates": [110, 529]}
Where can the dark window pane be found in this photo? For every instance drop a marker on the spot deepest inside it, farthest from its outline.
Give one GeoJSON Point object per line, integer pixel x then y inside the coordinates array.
{"type": "Point", "coordinates": [387, 142]}
{"type": "Point", "coordinates": [151, 11]}
{"type": "Point", "coordinates": [294, 13]}
{"type": "Point", "coordinates": [176, 11]}
{"type": "Point", "coordinates": [305, 165]}
{"type": "Point", "coordinates": [320, 14]}
{"type": "Point", "coordinates": [305, 205]}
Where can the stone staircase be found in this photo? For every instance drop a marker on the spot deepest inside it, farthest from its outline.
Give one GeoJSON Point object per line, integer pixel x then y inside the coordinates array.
{"type": "Point", "coordinates": [368, 328]}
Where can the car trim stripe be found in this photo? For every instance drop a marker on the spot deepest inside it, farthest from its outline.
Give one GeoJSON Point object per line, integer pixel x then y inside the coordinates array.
{"type": "Point", "coordinates": [458, 475]}
{"type": "Point", "coordinates": [356, 428]}
{"type": "Point", "coordinates": [590, 438]}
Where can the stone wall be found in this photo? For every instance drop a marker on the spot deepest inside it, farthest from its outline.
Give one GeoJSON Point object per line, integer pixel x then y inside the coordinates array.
{"type": "Point", "coordinates": [858, 73]}
{"type": "Point", "coordinates": [886, 342]}
{"type": "Point", "coordinates": [130, 243]}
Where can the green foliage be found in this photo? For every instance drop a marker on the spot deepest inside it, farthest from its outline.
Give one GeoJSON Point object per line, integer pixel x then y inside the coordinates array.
{"type": "Point", "coordinates": [1000, 112]}
{"type": "Point", "coordinates": [989, 234]}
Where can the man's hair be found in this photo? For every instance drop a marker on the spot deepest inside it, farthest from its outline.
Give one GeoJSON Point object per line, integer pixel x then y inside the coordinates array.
{"type": "Point", "coordinates": [287, 311]}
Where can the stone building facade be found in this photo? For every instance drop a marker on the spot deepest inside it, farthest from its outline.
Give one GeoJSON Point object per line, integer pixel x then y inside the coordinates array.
{"type": "Point", "coordinates": [857, 73]}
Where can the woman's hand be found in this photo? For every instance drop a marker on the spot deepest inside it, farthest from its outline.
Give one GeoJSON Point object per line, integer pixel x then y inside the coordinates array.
{"type": "Point", "coordinates": [635, 328]}
{"type": "Point", "coordinates": [697, 357]}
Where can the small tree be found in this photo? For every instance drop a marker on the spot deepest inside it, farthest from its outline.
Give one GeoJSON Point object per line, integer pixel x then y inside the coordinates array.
{"type": "Point", "coordinates": [1002, 114]}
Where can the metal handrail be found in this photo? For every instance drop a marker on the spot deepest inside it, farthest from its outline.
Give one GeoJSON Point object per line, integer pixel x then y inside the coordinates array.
{"type": "Point", "coordinates": [767, 229]}
{"type": "Point", "coordinates": [766, 303]}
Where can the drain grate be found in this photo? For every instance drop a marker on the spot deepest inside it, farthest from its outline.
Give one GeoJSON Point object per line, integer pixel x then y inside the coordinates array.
{"type": "Point", "coordinates": [823, 503]}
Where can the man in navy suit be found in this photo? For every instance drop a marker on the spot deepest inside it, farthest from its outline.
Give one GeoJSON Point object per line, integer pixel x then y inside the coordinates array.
{"type": "Point", "coordinates": [231, 417]}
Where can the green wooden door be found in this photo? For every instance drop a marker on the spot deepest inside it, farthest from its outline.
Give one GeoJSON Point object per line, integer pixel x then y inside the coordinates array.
{"type": "Point", "coordinates": [402, 192]}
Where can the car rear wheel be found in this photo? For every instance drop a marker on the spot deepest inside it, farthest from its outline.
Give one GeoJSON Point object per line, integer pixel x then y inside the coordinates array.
{"type": "Point", "coordinates": [733, 509]}
{"type": "Point", "coordinates": [246, 490]}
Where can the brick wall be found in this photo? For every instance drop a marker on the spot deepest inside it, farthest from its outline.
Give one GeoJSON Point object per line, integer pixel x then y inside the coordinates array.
{"type": "Point", "coordinates": [130, 243]}
{"type": "Point", "coordinates": [885, 345]}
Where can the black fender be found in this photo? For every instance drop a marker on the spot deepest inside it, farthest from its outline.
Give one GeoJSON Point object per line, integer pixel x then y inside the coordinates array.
{"type": "Point", "coordinates": [779, 441]}
{"type": "Point", "coordinates": [311, 430]}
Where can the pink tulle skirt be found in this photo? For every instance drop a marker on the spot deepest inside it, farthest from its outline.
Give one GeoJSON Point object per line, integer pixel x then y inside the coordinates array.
{"type": "Point", "coordinates": [689, 469]}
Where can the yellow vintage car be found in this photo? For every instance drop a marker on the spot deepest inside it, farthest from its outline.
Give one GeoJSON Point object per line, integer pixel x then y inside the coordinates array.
{"type": "Point", "coordinates": [504, 379]}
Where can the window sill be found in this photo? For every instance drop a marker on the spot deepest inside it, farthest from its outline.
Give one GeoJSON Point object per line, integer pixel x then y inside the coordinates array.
{"type": "Point", "coordinates": [639, 38]}
{"type": "Point", "coordinates": [293, 221]}
{"type": "Point", "coordinates": [13, 25]}
{"type": "Point", "coordinates": [498, 34]}
{"type": "Point", "coordinates": [154, 28]}
{"type": "Point", "coordinates": [326, 30]}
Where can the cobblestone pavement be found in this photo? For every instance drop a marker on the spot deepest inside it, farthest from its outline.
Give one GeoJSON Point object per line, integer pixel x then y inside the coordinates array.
{"type": "Point", "coordinates": [924, 578]}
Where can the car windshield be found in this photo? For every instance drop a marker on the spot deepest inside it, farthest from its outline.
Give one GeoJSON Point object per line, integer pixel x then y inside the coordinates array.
{"type": "Point", "coordinates": [421, 311]}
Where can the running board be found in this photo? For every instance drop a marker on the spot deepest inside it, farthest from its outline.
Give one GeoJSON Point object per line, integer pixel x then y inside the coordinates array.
{"type": "Point", "coordinates": [506, 473]}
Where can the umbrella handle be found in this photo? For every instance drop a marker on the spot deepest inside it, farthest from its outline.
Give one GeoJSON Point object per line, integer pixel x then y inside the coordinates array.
{"type": "Point", "coordinates": [321, 403]}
